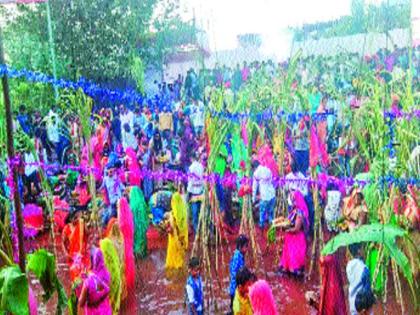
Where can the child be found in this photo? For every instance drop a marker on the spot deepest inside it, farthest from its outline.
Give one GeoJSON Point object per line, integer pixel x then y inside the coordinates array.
{"type": "Point", "coordinates": [357, 275]}
{"type": "Point", "coordinates": [194, 288]}
{"type": "Point", "coordinates": [241, 302]}
{"type": "Point", "coordinates": [364, 302]}
{"type": "Point", "coordinates": [236, 263]}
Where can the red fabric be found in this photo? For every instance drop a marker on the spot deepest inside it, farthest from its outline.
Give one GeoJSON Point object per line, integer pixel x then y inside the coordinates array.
{"type": "Point", "coordinates": [134, 172]}
{"type": "Point", "coordinates": [60, 219]}
{"type": "Point", "coordinates": [317, 149]}
{"type": "Point", "coordinates": [332, 298]}
{"type": "Point", "coordinates": [76, 236]}
{"type": "Point", "coordinates": [33, 220]}
{"type": "Point", "coordinates": [245, 190]}
{"type": "Point", "coordinates": [313, 148]}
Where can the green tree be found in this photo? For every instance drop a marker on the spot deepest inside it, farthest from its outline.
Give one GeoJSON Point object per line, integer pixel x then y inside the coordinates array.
{"type": "Point", "coordinates": [358, 16]}
{"type": "Point", "coordinates": [95, 39]}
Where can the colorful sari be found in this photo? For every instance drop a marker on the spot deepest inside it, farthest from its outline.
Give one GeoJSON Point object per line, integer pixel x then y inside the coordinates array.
{"type": "Point", "coordinates": [112, 263]}
{"type": "Point", "coordinates": [261, 298]}
{"type": "Point", "coordinates": [97, 286]}
{"type": "Point", "coordinates": [134, 173]}
{"type": "Point", "coordinates": [178, 237]}
{"type": "Point", "coordinates": [33, 305]}
{"type": "Point", "coordinates": [113, 233]}
{"type": "Point", "coordinates": [294, 248]}
{"type": "Point", "coordinates": [241, 305]}
{"type": "Point", "coordinates": [125, 219]}
{"type": "Point", "coordinates": [332, 299]}
{"type": "Point", "coordinates": [141, 221]}
{"type": "Point", "coordinates": [76, 247]}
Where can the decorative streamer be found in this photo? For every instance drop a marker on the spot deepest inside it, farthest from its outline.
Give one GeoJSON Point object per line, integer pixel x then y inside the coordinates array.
{"type": "Point", "coordinates": [232, 178]}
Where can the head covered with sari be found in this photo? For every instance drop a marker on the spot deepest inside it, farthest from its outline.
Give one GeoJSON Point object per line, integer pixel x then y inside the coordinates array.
{"type": "Point", "coordinates": [261, 298]}
{"type": "Point", "coordinates": [133, 166]}
{"type": "Point", "coordinates": [113, 233]}
{"type": "Point", "coordinates": [141, 221]}
{"type": "Point", "coordinates": [97, 264]}
{"type": "Point", "coordinates": [180, 214]}
{"type": "Point", "coordinates": [300, 203]}
{"type": "Point", "coordinates": [113, 264]}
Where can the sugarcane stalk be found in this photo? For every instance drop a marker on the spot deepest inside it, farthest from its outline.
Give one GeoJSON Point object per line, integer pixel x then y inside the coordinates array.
{"type": "Point", "coordinates": [317, 221]}
{"type": "Point", "coordinates": [399, 289]}
{"type": "Point", "coordinates": [381, 256]}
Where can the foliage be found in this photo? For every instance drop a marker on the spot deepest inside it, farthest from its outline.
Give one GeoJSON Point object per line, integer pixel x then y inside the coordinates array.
{"type": "Point", "coordinates": [137, 73]}
{"type": "Point", "coordinates": [94, 39]}
{"type": "Point", "coordinates": [375, 18]}
{"type": "Point", "coordinates": [170, 33]}
{"type": "Point", "coordinates": [14, 291]}
{"type": "Point", "coordinates": [384, 234]}
{"type": "Point", "coordinates": [14, 288]}
{"type": "Point", "coordinates": [43, 265]}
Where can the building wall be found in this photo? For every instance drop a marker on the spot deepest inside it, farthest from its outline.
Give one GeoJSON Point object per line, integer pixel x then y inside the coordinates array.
{"type": "Point", "coordinates": [174, 68]}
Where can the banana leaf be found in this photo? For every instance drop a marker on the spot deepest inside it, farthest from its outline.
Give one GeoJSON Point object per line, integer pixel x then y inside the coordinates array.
{"type": "Point", "coordinates": [14, 291]}
{"type": "Point", "coordinates": [385, 234]}
{"type": "Point", "coordinates": [43, 265]}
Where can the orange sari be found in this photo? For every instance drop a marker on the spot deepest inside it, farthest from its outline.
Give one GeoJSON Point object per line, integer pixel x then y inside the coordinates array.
{"type": "Point", "coordinates": [75, 240]}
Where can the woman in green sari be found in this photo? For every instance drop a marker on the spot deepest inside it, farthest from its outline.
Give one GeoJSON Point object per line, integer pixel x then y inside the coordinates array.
{"type": "Point", "coordinates": [141, 222]}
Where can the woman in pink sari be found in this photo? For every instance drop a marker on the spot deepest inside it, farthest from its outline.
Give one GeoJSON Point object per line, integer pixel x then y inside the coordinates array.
{"type": "Point", "coordinates": [94, 298]}
{"type": "Point", "coordinates": [294, 248]}
{"type": "Point", "coordinates": [126, 222]}
{"type": "Point", "coordinates": [133, 173]}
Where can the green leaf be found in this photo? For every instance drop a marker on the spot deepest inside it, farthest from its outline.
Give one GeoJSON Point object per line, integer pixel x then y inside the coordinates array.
{"type": "Point", "coordinates": [376, 232]}
{"type": "Point", "coordinates": [385, 234]}
{"type": "Point", "coordinates": [271, 234]}
{"type": "Point", "coordinates": [14, 291]}
{"type": "Point", "coordinates": [43, 265]}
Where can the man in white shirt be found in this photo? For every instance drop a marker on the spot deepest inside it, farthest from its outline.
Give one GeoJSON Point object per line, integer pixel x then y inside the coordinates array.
{"type": "Point", "coordinates": [358, 276]}
{"type": "Point", "coordinates": [31, 174]}
{"type": "Point", "coordinates": [198, 117]}
{"type": "Point", "coordinates": [195, 189]}
{"type": "Point", "coordinates": [295, 180]}
{"type": "Point", "coordinates": [52, 128]}
{"type": "Point", "coordinates": [126, 116]}
{"type": "Point", "coordinates": [129, 140]}
{"type": "Point", "coordinates": [263, 182]}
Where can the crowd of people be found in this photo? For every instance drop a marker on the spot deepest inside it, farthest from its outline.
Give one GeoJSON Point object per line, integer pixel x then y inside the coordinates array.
{"type": "Point", "coordinates": [134, 145]}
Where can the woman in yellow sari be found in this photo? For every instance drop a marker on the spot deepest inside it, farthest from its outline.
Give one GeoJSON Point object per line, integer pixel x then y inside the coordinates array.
{"type": "Point", "coordinates": [177, 233]}
{"type": "Point", "coordinates": [113, 264]}
{"type": "Point", "coordinates": [113, 233]}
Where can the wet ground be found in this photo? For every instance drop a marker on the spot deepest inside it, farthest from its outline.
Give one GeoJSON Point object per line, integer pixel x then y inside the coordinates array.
{"type": "Point", "coordinates": [160, 293]}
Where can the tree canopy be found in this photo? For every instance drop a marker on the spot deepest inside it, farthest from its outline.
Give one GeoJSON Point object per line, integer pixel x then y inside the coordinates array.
{"type": "Point", "coordinates": [364, 18]}
{"type": "Point", "coordinates": [99, 40]}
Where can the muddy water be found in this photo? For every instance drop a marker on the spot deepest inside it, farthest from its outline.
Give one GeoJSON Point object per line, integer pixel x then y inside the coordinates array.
{"type": "Point", "coordinates": [160, 293]}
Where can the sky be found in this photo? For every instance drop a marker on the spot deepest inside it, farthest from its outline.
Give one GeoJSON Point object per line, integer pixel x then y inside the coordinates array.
{"type": "Point", "coordinates": [225, 19]}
